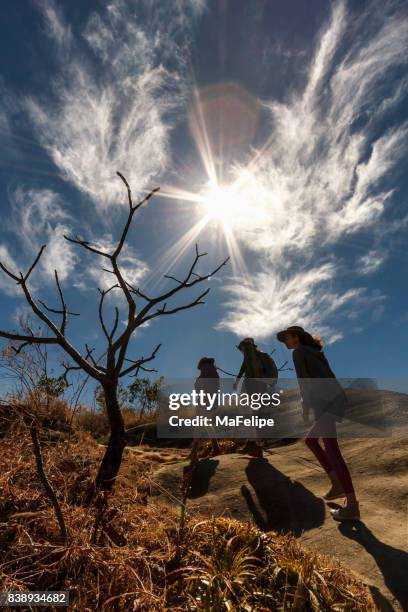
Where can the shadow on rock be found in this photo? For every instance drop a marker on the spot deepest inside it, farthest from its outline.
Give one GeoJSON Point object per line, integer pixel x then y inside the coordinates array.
{"type": "Point", "coordinates": [202, 475]}
{"type": "Point", "coordinates": [392, 562]}
{"type": "Point", "coordinates": [281, 504]}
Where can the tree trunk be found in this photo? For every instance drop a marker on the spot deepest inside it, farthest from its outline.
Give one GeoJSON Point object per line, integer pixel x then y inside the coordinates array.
{"type": "Point", "coordinates": [112, 459]}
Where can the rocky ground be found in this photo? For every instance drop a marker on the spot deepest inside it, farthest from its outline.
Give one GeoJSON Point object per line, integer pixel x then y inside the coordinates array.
{"type": "Point", "coordinates": [282, 492]}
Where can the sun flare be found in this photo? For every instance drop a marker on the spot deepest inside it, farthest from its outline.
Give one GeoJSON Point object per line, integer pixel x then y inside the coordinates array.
{"type": "Point", "coordinates": [220, 202]}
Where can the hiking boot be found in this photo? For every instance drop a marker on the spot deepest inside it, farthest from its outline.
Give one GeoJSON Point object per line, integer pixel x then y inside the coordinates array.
{"type": "Point", "coordinates": [252, 449]}
{"type": "Point", "coordinates": [351, 512]}
{"type": "Point", "coordinates": [335, 492]}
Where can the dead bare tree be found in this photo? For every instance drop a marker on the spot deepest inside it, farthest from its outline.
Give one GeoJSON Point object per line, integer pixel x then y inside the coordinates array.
{"type": "Point", "coordinates": [116, 363]}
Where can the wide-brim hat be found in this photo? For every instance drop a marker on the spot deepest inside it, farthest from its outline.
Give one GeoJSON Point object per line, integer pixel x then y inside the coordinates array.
{"type": "Point", "coordinates": [293, 329]}
{"type": "Point", "coordinates": [250, 341]}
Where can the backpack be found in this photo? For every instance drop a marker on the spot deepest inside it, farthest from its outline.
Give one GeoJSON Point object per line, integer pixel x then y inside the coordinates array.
{"type": "Point", "coordinates": [269, 369]}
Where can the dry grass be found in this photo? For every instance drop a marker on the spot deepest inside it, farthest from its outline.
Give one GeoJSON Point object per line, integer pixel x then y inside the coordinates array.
{"type": "Point", "coordinates": [224, 564]}
{"type": "Point", "coordinates": [95, 421]}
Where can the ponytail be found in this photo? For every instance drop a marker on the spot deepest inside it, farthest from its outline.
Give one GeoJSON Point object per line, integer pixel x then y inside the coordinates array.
{"type": "Point", "coordinates": [318, 342]}
{"type": "Point", "coordinates": [313, 341]}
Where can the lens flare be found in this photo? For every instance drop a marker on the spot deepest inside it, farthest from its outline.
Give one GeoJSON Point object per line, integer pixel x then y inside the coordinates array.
{"type": "Point", "coordinates": [222, 121]}
{"type": "Point", "coordinates": [220, 202]}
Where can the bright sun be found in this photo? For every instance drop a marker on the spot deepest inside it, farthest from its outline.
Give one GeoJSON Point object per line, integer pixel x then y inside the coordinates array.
{"type": "Point", "coordinates": [221, 203]}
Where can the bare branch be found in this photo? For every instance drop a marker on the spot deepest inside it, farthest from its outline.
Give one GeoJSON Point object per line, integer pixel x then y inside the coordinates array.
{"type": "Point", "coordinates": [61, 339]}
{"type": "Point", "coordinates": [68, 368]}
{"type": "Point", "coordinates": [10, 274]}
{"type": "Point", "coordinates": [136, 372]}
{"type": "Point", "coordinates": [137, 291]}
{"type": "Point", "coordinates": [28, 339]}
{"type": "Point", "coordinates": [283, 368]}
{"type": "Point", "coordinates": [129, 191]}
{"type": "Point", "coordinates": [36, 260]}
{"type": "Point", "coordinates": [55, 311]}
{"type": "Point", "coordinates": [139, 363]}
{"type": "Point", "coordinates": [89, 356]}
{"type": "Point", "coordinates": [146, 369]}
{"type": "Point", "coordinates": [149, 195]}
{"type": "Point", "coordinates": [115, 324]}
{"type": "Point", "coordinates": [104, 293]}
{"type": "Point", "coordinates": [23, 278]}
{"type": "Point", "coordinates": [46, 483]}
{"type": "Point", "coordinates": [63, 304]}
{"type": "Point", "coordinates": [18, 350]}
{"type": "Point", "coordinates": [86, 245]}
{"type": "Point", "coordinates": [181, 285]}
{"type": "Point", "coordinates": [174, 278]}
{"type": "Point", "coordinates": [59, 336]}
{"type": "Point", "coordinates": [132, 210]}
{"type": "Point", "coordinates": [64, 312]}
{"type": "Point", "coordinates": [164, 311]}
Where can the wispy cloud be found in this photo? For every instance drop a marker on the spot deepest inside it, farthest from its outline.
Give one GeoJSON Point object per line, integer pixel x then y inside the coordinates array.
{"type": "Point", "coordinates": [371, 262]}
{"type": "Point", "coordinates": [324, 174]}
{"type": "Point", "coordinates": [39, 217]}
{"type": "Point", "coordinates": [55, 23]}
{"type": "Point", "coordinates": [269, 302]}
{"type": "Point", "coordinates": [111, 104]}
{"type": "Point", "coordinates": [96, 270]}
{"type": "Point", "coordinates": [6, 259]}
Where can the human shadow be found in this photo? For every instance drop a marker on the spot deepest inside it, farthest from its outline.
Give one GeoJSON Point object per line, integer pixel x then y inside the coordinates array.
{"type": "Point", "coordinates": [380, 600]}
{"type": "Point", "coordinates": [392, 562]}
{"type": "Point", "coordinates": [284, 505]}
{"type": "Point", "coordinates": [200, 482]}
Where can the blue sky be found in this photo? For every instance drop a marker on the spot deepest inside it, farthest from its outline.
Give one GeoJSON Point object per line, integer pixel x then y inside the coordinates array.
{"type": "Point", "coordinates": [277, 132]}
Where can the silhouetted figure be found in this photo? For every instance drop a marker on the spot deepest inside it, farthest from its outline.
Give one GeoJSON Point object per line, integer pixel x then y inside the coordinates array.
{"type": "Point", "coordinates": [209, 382]}
{"type": "Point", "coordinates": [326, 400]}
{"type": "Point", "coordinates": [260, 372]}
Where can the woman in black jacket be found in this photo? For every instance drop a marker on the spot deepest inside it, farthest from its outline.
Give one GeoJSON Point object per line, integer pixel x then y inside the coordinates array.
{"type": "Point", "coordinates": [326, 399]}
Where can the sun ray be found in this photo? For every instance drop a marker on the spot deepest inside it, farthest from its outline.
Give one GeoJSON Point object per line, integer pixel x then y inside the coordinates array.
{"type": "Point", "coordinates": [201, 138]}
{"type": "Point", "coordinates": [171, 255]}
{"type": "Point", "coordinates": [222, 202]}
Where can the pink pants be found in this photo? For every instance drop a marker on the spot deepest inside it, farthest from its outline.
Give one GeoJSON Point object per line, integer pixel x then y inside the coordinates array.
{"type": "Point", "coordinates": [329, 455]}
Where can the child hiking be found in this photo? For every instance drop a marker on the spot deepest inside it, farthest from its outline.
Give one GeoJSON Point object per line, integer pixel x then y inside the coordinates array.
{"type": "Point", "coordinates": [260, 372]}
{"type": "Point", "coordinates": [326, 400]}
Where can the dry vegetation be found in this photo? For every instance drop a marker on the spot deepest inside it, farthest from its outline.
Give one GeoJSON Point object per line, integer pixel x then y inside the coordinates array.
{"type": "Point", "coordinates": [124, 552]}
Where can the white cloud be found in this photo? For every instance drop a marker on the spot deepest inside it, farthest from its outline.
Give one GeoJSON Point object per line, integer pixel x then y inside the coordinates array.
{"type": "Point", "coordinates": [262, 305]}
{"type": "Point", "coordinates": [54, 22]}
{"type": "Point", "coordinates": [114, 114]}
{"type": "Point", "coordinates": [7, 285]}
{"type": "Point", "coordinates": [38, 217]}
{"type": "Point", "coordinates": [371, 262]}
{"type": "Point", "coordinates": [323, 174]}
{"type": "Point", "coordinates": [4, 125]}
{"type": "Point", "coordinates": [132, 268]}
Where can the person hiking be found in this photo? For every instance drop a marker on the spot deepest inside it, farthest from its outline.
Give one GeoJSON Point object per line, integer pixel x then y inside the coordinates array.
{"type": "Point", "coordinates": [260, 372]}
{"type": "Point", "coordinates": [209, 382]}
{"type": "Point", "coordinates": [327, 400]}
